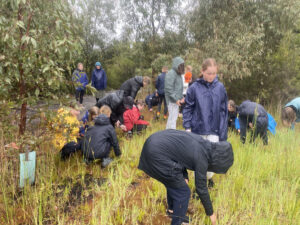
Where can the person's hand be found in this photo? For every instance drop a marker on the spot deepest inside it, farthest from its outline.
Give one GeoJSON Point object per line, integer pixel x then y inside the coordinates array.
{"type": "Point", "coordinates": [213, 219]}
{"type": "Point", "coordinates": [151, 110]}
{"type": "Point", "coordinates": [239, 130]}
{"type": "Point", "coordinates": [123, 127]}
{"type": "Point", "coordinates": [117, 124]}
{"type": "Point", "coordinates": [182, 101]}
{"type": "Point", "coordinates": [251, 125]}
{"type": "Point", "coordinates": [187, 181]}
{"type": "Point", "coordinates": [188, 130]}
{"type": "Point", "coordinates": [178, 102]}
{"type": "Point", "coordinates": [156, 94]}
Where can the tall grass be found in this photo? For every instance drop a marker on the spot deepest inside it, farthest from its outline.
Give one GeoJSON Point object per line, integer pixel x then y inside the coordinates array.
{"type": "Point", "coordinates": [262, 187]}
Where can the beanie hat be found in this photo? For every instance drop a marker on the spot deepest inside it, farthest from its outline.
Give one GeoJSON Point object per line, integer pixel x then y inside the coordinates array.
{"type": "Point", "coordinates": [97, 64]}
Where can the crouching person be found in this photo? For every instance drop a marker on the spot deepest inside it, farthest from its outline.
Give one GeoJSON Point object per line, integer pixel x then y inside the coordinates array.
{"type": "Point", "coordinates": [168, 154]}
{"type": "Point", "coordinates": [133, 120]}
{"type": "Point", "coordinates": [99, 139]}
{"type": "Point", "coordinates": [253, 116]}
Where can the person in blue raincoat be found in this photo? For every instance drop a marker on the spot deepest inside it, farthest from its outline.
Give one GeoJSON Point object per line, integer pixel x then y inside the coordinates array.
{"type": "Point", "coordinates": [271, 124]}
{"type": "Point", "coordinates": [80, 81]}
{"type": "Point", "coordinates": [205, 112]}
{"type": "Point", "coordinates": [291, 113]}
{"type": "Point", "coordinates": [253, 116]}
{"type": "Point", "coordinates": [152, 100]}
{"type": "Point", "coordinates": [99, 80]}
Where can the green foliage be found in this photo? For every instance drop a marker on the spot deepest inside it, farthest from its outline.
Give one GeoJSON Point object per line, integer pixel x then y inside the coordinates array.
{"type": "Point", "coordinates": [38, 43]}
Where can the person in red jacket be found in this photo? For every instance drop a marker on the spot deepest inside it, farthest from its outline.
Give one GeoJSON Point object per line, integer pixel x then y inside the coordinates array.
{"type": "Point", "coordinates": [133, 120]}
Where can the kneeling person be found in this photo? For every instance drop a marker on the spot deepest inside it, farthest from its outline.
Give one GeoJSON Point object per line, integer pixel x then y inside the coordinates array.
{"type": "Point", "coordinates": [168, 154]}
{"type": "Point", "coordinates": [99, 139]}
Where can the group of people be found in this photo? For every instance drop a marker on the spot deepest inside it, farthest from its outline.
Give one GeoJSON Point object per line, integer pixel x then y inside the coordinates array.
{"type": "Point", "coordinates": [167, 155]}
{"type": "Point", "coordinates": [80, 79]}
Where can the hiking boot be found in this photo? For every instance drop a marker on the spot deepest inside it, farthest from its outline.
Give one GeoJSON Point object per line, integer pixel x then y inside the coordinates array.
{"type": "Point", "coordinates": [210, 183]}
{"type": "Point", "coordinates": [106, 162]}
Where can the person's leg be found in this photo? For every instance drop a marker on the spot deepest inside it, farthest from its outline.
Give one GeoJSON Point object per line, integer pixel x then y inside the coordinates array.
{"type": "Point", "coordinates": [81, 96]}
{"type": "Point", "coordinates": [77, 94]}
{"type": "Point", "coordinates": [160, 99]}
{"type": "Point", "coordinates": [170, 202]}
{"type": "Point", "coordinates": [209, 175]}
{"type": "Point", "coordinates": [165, 106]}
{"type": "Point", "coordinates": [180, 199]}
{"type": "Point", "coordinates": [173, 115]}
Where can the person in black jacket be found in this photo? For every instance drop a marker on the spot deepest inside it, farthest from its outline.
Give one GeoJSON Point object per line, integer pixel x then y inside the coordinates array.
{"type": "Point", "coordinates": [253, 115]}
{"type": "Point", "coordinates": [168, 154]}
{"type": "Point", "coordinates": [232, 114]}
{"type": "Point", "coordinates": [99, 139]}
{"type": "Point", "coordinates": [115, 101]}
{"type": "Point", "coordinates": [133, 85]}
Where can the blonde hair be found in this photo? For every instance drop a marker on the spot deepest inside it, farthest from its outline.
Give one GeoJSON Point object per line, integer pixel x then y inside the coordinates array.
{"type": "Point", "coordinates": [164, 69]}
{"type": "Point", "coordinates": [208, 62]}
{"type": "Point", "coordinates": [288, 115]}
{"type": "Point", "coordinates": [94, 111]}
{"type": "Point", "coordinates": [232, 104]}
{"type": "Point", "coordinates": [146, 80]}
{"type": "Point", "coordinates": [189, 68]}
{"type": "Point", "coordinates": [105, 110]}
{"type": "Point", "coordinates": [140, 102]}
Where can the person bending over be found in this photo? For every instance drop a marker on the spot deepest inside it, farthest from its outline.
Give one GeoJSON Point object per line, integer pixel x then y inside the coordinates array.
{"type": "Point", "coordinates": [166, 156]}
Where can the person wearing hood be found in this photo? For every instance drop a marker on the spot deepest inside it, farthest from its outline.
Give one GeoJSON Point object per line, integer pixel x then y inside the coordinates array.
{"type": "Point", "coordinates": [80, 79]}
{"type": "Point", "coordinates": [252, 115]}
{"type": "Point", "coordinates": [205, 112]}
{"type": "Point", "coordinates": [173, 91]}
{"type": "Point", "coordinates": [291, 113]}
{"type": "Point", "coordinates": [160, 87]}
{"type": "Point", "coordinates": [133, 85]}
{"type": "Point", "coordinates": [166, 156]}
{"type": "Point", "coordinates": [117, 102]}
{"type": "Point", "coordinates": [99, 139]}
{"type": "Point", "coordinates": [99, 80]}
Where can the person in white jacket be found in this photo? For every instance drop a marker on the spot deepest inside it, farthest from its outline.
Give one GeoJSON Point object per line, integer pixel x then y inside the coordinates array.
{"type": "Point", "coordinates": [186, 79]}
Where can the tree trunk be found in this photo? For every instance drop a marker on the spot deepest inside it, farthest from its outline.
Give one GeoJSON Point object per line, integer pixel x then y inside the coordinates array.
{"type": "Point", "coordinates": [22, 90]}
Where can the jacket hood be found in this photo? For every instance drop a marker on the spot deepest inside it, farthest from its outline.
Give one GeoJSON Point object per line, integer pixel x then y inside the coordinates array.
{"type": "Point", "coordinates": [221, 157]}
{"type": "Point", "coordinates": [176, 62]}
{"type": "Point", "coordinates": [102, 120]}
{"type": "Point", "coordinates": [139, 79]}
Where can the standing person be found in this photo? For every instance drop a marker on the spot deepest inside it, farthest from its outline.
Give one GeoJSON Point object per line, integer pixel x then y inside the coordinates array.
{"type": "Point", "coordinates": [253, 115]}
{"type": "Point", "coordinates": [167, 155]}
{"type": "Point", "coordinates": [80, 79]}
{"type": "Point", "coordinates": [174, 90]}
{"type": "Point", "coordinates": [133, 85]}
{"type": "Point", "coordinates": [186, 79]}
{"type": "Point", "coordinates": [160, 87]}
{"type": "Point", "coordinates": [291, 113]}
{"type": "Point", "coordinates": [205, 112]}
{"type": "Point", "coordinates": [99, 80]}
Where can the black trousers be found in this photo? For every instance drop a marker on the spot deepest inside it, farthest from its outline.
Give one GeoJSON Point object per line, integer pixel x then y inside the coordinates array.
{"type": "Point", "coordinates": [162, 99]}
{"type": "Point", "coordinates": [178, 201]}
{"type": "Point", "coordinates": [79, 95]}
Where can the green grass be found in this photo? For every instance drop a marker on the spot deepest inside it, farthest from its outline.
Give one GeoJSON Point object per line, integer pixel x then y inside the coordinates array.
{"type": "Point", "coordinates": [262, 187]}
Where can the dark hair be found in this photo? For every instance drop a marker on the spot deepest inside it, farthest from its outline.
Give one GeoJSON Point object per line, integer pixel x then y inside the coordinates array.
{"type": "Point", "coordinates": [128, 102]}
